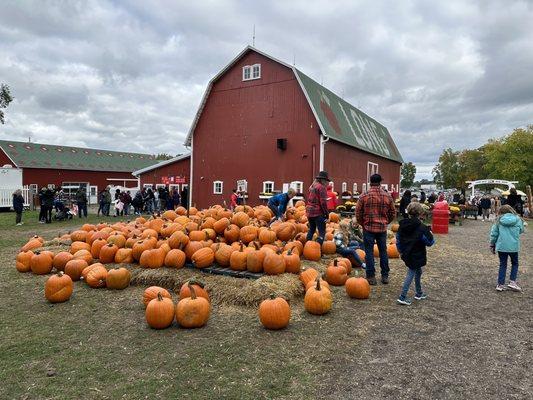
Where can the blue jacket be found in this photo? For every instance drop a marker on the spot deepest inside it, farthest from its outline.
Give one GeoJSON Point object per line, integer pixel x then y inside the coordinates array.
{"type": "Point", "coordinates": [280, 202]}
{"type": "Point", "coordinates": [505, 233]}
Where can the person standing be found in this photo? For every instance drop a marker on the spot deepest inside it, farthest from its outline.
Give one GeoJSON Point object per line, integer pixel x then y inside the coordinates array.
{"type": "Point", "coordinates": [485, 207]}
{"type": "Point", "coordinates": [100, 203]}
{"type": "Point", "coordinates": [278, 204]}
{"type": "Point", "coordinates": [126, 200]}
{"type": "Point", "coordinates": [18, 206]}
{"type": "Point", "coordinates": [81, 201]}
{"type": "Point", "coordinates": [332, 198]}
{"type": "Point", "coordinates": [42, 209]}
{"type": "Point", "coordinates": [175, 199]}
{"type": "Point", "coordinates": [233, 200]}
{"type": "Point", "coordinates": [515, 201]}
{"type": "Point", "coordinates": [404, 202]}
{"type": "Point", "coordinates": [317, 207]}
{"type": "Point", "coordinates": [106, 201]}
{"type": "Point", "coordinates": [422, 197]}
{"type": "Point", "coordinates": [374, 211]}
{"type": "Point", "coordinates": [184, 197]}
{"type": "Point", "coordinates": [48, 201]}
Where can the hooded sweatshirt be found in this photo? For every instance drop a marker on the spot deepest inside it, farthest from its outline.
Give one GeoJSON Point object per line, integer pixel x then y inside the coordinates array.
{"type": "Point", "coordinates": [411, 240]}
{"type": "Point", "coordinates": [505, 233]}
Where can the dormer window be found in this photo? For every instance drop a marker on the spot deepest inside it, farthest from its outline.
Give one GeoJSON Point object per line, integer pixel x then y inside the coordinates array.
{"type": "Point", "coordinates": [250, 72]}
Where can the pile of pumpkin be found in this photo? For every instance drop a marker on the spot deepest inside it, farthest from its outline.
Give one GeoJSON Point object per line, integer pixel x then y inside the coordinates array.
{"type": "Point", "coordinates": [240, 240]}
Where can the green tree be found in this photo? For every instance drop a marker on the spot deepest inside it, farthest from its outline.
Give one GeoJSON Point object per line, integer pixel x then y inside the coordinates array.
{"type": "Point", "coordinates": [446, 172]}
{"type": "Point", "coordinates": [5, 99]}
{"type": "Point", "coordinates": [163, 156]}
{"type": "Point", "coordinates": [408, 173]}
{"type": "Point", "coordinates": [471, 166]}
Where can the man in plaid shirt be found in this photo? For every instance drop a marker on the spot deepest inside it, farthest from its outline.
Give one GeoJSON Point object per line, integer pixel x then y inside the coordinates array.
{"type": "Point", "coordinates": [374, 211]}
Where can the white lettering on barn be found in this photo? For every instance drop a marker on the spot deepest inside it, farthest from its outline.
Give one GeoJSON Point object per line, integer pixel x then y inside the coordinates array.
{"type": "Point", "coordinates": [355, 134]}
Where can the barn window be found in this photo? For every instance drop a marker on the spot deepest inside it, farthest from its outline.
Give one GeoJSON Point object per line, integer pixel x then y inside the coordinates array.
{"type": "Point", "coordinates": [147, 185]}
{"type": "Point", "coordinates": [218, 187]}
{"type": "Point", "coordinates": [354, 188]}
{"type": "Point", "coordinates": [256, 71]}
{"type": "Point", "coordinates": [246, 73]}
{"type": "Point", "coordinates": [364, 187]}
{"type": "Point", "coordinates": [344, 187]}
{"type": "Point", "coordinates": [268, 187]}
{"type": "Point", "coordinates": [298, 186]}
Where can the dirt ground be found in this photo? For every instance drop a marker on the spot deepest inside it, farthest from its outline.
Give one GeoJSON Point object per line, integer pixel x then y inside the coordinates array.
{"type": "Point", "coordinates": [465, 341]}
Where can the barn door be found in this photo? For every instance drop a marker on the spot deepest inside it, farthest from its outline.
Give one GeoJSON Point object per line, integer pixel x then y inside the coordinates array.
{"type": "Point", "coordinates": [93, 194]}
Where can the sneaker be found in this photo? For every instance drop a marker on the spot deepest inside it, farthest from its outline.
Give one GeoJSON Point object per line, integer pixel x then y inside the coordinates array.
{"type": "Point", "coordinates": [514, 286]}
{"type": "Point", "coordinates": [404, 302]}
{"type": "Point", "coordinates": [500, 288]}
{"type": "Point", "coordinates": [19, 224]}
{"type": "Point", "coordinates": [385, 280]}
{"type": "Point", "coordinates": [422, 296]}
{"type": "Point", "coordinates": [372, 280]}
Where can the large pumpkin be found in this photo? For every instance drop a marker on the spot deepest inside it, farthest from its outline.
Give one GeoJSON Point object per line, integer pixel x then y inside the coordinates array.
{"type": "Point", "coordinates": [292, 262]}
{"type": "Point", "coordinates": [223, 254]}
{"type": "Point", "coordinates": [58, 288]}
{"type": "Point", "coordinates": [61, 259]}
{"type": "Point", "coordinates": [192, 312]}
{"type": "Point", "coordinates": [203, 257]}
{"type": "Point", "coordinates": [96, 278]}
{"type": "Point", "coordinates": [285, 231]}
{"type": "Point", "coordinates": [220, 225]}
{"type": "Point", "coordinates": [274, 263]}
{"type": "Point", "coordinates": [231, 233]}
{"type": "Point", "coordinates": [358, 288]}
{"type": "Point", "coordinates": [23, 261]}
{"type": "Point", "coordinates": [312, 251]}
{"type": "Point", "coordinates": [308, 275]}
{"type": "Point", "coordinates": [153, 258]}
{"type": "Point", "coordinates": [328, 247]}
{"type": "Point", "coordinates": [175, 258]}
{"type": "Point", "coordinates": [151, 292]}
{"type": "Point", "coordinates": [274, 313]}
{"type": "Point", "coordinates": [78, 236]}
{"type": "Point", "coordinates": [74, 268]}
{"type": "Point", "coordinates": [140, 247]}
{"type": "Point", "coordinates": [160, 312]}
{"type": "Point", "coordinates": [266, 236]}
{"type": "Point", "coordinates": [118, 278]}
{"type": "Point", "coordinates": [77, 246]}
{"type": "Point", "coordinates": [124, 255]}
{"type": "Point", "coordinates": [317, 300]}
{"type": "Point", "coordinates": [238, 259]}
{"type": "Point", "coordinates": [240, 219]}
{"type": "Point", "coordinates": [107, 253]}
{"type": "Point", "coordinates": [248, 234]}
{"type": "Point", "coordinates": [41, 263]}
{"type": "Point", "coordinates": [336, 274]}
{"type": "Point", "coordinates": [83, 255]}
{"type": "Point", "coordinates": [254, 260]}
{"type": "Point", "coordinates": [199, 287]}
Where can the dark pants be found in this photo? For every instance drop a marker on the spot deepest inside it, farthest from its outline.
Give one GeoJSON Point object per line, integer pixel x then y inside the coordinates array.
{"type": "Point", "coordinates": [105, 209]}
{"type": "Point", "coordinates": [314, 224]}
{"type": "Point", "coordinates": [369, 238]}
{"type": "Point", "coordinates": [19, 217]}
{"type": "Point", "coordinates": [126, 209]}
{"type": "Point", "coordinates": [412, 273]}
{"type": "Point", "coordinates": [100, 208]}
{"type": "Point", "coordinates": [503, 266]}
{"type": "Point", "coordinates": [275, 210]}
{"type": "Point", "coordinates": [82, 209]}
{"type": "Point", "coordinates": [47, 213]}
{"type": "Point", "coordinates": [350, 254]}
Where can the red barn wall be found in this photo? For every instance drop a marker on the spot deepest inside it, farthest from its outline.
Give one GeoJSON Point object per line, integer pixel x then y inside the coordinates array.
{"type": "Point", "coordinates": [348, 164]}
{"type": "Point", "coordinates": [235, 137]}
{"type": "Point", "coordinates": [179, 168]}
{"type": "Point", "coordinates": [4, 159]}
{"type": "Point", "coordinates": [43, 177]}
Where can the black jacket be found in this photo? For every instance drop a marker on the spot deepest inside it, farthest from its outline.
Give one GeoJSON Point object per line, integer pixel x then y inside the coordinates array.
{"type": "Point", "coordinates": [484, 203]}
{"type": "Point", "coordinates": [404, 202]}
{"type": "Point", "coordinates": [411, 240]}
{"type": "Point", "coordinates": [18, 203]}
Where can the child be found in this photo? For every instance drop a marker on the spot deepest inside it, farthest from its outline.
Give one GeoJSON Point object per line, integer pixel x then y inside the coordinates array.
{"type": "Point", "coordinates": [411, 240]}
{"type": "Point", "coordinates": [18, 206]}
{"type": "Point", "coordinates": [348, 239]}
{"type": "Point", "coordinates": [505, 239]}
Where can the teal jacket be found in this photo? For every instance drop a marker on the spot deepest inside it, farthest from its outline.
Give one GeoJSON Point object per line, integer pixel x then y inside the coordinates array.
{"type": "Point", "coordinates": [505, 233]}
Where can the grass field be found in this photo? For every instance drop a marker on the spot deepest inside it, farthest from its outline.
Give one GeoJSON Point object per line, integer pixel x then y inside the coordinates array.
{"type": "Point", "coordinates": [465, 341]}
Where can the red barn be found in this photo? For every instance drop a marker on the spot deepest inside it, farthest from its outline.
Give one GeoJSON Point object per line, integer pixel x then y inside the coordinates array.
{"type": "Point", "coordinates": [72, 167]}
{"type": "Point", "coordinates": [174, 173]}
{"type": "Point", "coordinates": [263, 126]}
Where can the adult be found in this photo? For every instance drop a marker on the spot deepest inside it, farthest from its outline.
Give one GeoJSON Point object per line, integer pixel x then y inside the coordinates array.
{"type": "Point", "coordinates": [126, 200]}
{"type": "Point", "coordinates": [100, 203]}
{"type": "Point", "coordinates": [149, 200]}
{"type": "Point", "coordinates": [485, 207]}
{"type": "Point", "coordinates": [137, 203]}
{"type": "Point", "coordinates": [374, 211]}
{"type": "Point", "coordinates": [404, 202]}
{"type": "Point", "coordinates": [515, 200]}
{"type": "Point", "coordinates": [119, 205]}
{"type": "Point", "coordinates": [18, 206]}
{"type": "Point", "coordinates": [432, 197]}
{"type": "Point", "coordinates": [81, 201]}
{"type": "Point", "coordinates": [462, 200]}
{"type": "Point", "coordinates": [184, 197]}
{"type": "Point", "coordinates": [48, 204]}
{"type": "Point", "coordinates": [422, 197]}
{"type": "Point", "coordinates": [332, 198]}
{"type": "Point", "coordinates": [175, 199]}
{"type": "Point", "coordinates": [233, 199]}
{"type": "Point", "coordinates": [162, 194]}
{"type": "Point", "coordinates": [278, 203]}
{"type": "Point", "coordinates": [42, 208]}
{"type": "Point", "coordinates": [106, 202]}
{"type": "Point", "coordinates": [317, 207]}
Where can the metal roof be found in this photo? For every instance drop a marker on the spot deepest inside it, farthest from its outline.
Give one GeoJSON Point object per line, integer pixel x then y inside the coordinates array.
{"type": "Point", "coordinates": [161, 164]}
{"type": "Point", "coordinates": [337, 118]}
{"type": "Point", "coordinates": [37, 155]}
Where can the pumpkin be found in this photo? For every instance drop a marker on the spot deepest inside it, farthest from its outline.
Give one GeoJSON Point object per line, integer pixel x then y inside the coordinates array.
{"type": "Point", "coordinates": [175, 258]}
{"type": "Point", "coordinates": [318, 300]}
{"type": "Point", "coordinates": [23, 261]}
{"type": "Point", "coordinates": [96, 246]}
{"type": "Point", "coordinates": [248, 234]}
{"type": "Point", "coordinates": [74, 268]}
{"type": "Point", "coordinates": [312, 251]}
{"type": "Point", "coordinates": [117, 239]}
{"type": "Point", "coordinates": [240, 219]}
{"type": "Point", "coordinates": [192, 312]}
{"type": "Point", "coordinates": [151, 292]}
{"type": "Point", "coordinates": [334, 217]}
{"type": "Point", "coordinates": [255, 259]}
{"type": "Point", "coordinates": [178, 240]}
{"type": "Point", "coordinates": [328, 247]}
{"type": "Point", "coordinates": [61, 259]}
{"type": "Point", "coordinates": [357, 288]}
{"type": "Point", "coordinates": [170, 214]}
{"type": "Point", "coordinates": [153, 258]}
{"type": "Point", "coordinates": [130, 242]}
{"type": "Point", "coordinates": [97, 235]}
{"type": "Point", "coordinates": [140, 247]}
{"type": "Point", "coordinates": [223, 254]}
{"type": "Point", "coordinates": [296, 247]}
{"type": "Point", "coordinates": [34, 243]}
{"type": "Point", "coordinates": [41, 263]}
{"type": "Point", "coordinates": [88, 269]}
{"type": "Point", "coordinates": [336, 274]}
{"type": "Point", "coordinates": [107, 253]}
{"type": "Point", "coordinates": [118, 278]}
{"type": "Point", "coordinates": [308, 275]}
{"type": "Point", "coordinates": [78, 236]}
{"type": "Point", "coordinates": [77, 246]}
{"type": "Point", "coordinates": [323, 284]}
{"type": "Point", "coordinates": [198, 286]}
{"type": "Point", "coordinates": [96, 278]}
{"type": "Point", "coordinates": [285, 231]}
{"type": "Point", "coordinates": [266, 236]}
{"type": "Point", "coordinates": [392, 251]}
{"type": "Point", "coordinates": [198, 236]}
{"type": "Point", "coordinates": [83, 255]}
{"type": "Point", "coordinates": [394, 227]}
{"type": "Point", "coordinates": [124, 255]}
{"type": "Point", "coordinates": [346, 263]}
{"type": "Point", "coordinates": [376, 251]}
{"type": "Point", "coordinates": [274, 313]}
{"type": "Point", "coordinates": [220, 225]}
{"type": "Point", "coordinates": [231, 233]}
{"type": "Point", "coordinates": [238, 259]}
{"type": "Point", "coordinates": [58, 288]}
{"type": "Point", "coordinates": [191, 248]}
{"type": "Point", "coordinates": [160, 312]}
{"type": "Point", "coordinates": [361, 254]}
{"type": "Point", "coordinates": [292, 262]}
{"type": "Point", "coordinates": [274, 263]}
{"type": "Point", "coordinates": [203, 257]}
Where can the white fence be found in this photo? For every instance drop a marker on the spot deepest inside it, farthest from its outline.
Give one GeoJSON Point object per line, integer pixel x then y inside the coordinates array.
{"type": "Point", "coordinates": [6, 197]}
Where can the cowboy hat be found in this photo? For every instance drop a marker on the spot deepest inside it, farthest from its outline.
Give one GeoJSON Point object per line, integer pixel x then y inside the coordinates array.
{"type": "Point", "coordinates": [323, 175]}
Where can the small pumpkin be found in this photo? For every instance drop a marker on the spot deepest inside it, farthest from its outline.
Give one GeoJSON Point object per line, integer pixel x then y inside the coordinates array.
{"type": "Point", "coordinates": [58, 288]}
{"type": "Point", "coordinates": [96, 278]}
{"type": "Point", "coordinates": [153, 258]}
{"type": "Point", "coordinates": [357, 288]}
{"type": "Point", "coordinates": [255, 260]}
{"type": "Point", "coordinates": [336, 274]}
{"type": "Point", "coordinates": [292, 261]}
{"type": "Point", "coordinates": [238, 259]}
{"type": "Point", "coordinates": [34, 243]}
{"type": "Point", "coordinates": [318, 300]}
{"type": "Point", "coordinates": [191, 248]}
{"type": "Point", "coordinates": [107, 253]}
{"type": "Point", "coordinates": [312, 251]}
{"type": "Point", "coordinates": [41, 263]}
{"type": "Point", "coordinates": [392, 251]}
{"type": "Point", "coordinates": [231, 233]}
{"type": "Point", "coordinates": [274, 313]}
{"type": "Point", "coordinates": [118, 278]}
{"type": "Point", "coordinates": [323, 284]}
{"type": "Point", "coordinates": [198, 286]}
{"type": "Point", "coordinates": [77, 246]}
{"type": "Point", "coordinates": [308, 275]}
{"type": "Point", "coordinates": [23, 261]}
{"type": "Point", "coordinates": [248, 234]}
{"type": "Point", "coordinates": [61, 259]}
{"type": "Point", "coordinates": [160, 312]}
{"type": "Point", "coordinates": [175, 258]}
{"type": "Point", "coordinates": [151, 292]}
{"type": "Point", "coordinates": [267, 235]}
{"type": "Point", "coordinates": [192, 312]}
{"type": "Point", "coordinates": [74, 268]}
{"type": "Point", "coordinates": [328, 247]}
{"type": "Point", "coordinates": [124, 256]}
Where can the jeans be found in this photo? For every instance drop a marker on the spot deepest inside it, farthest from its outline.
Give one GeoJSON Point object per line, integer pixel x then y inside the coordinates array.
{"type": "Point", "coordinates": [351, 254]}
{"type": "Point", "coordinates": [47, 210]}
{"type": "Point", "coordinates": [412, 273]}
{"type": "Point", "coordinates": [503, 266]}
{"type": "Point", "coordinates": [369, 238]}
{"type": "Point", "coordinates": [275, 210]}
{"type": "Point", "coordinates": [105, 209]}
{"type": "Point", "coordinates": [486, 213]}
{"type": "Point", "coordinates": [314, 224]}
{"type": "Point", "coordinates": [19, 217]}
{"type": "Point", "coordinates": [150, 206]}
{"type": "Point", "coordinates": [82, 209]}
{"type": "Point", "coordinates": [126, 209]}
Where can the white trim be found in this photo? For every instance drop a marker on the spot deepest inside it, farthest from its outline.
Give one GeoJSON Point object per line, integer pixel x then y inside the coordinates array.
{"type": "Point", "coordinates": [264, 186]}
{"type": "Point", "coordinates": [354, 188]}
{"type": "Point", "coordinates": [7, 154]}
{"type": "Point", "coordinates": [125, 179]}
{"type": "Point", "coordinates": [323, 140]}
{"type": "Point", "coordinates": [160, 185]}
{"type": "Point", "coordinates": [295, 184]}
{"type": "Point", "coordinates": [189, 188]}
{"type": "Point", "coordinates": [161, 164]}
{"type": "Point", "coordinates": [246, 68]}
{"type": "Point", "coordinates": [215, 191]}
{"type": "Point", "coordinates": [344, 187]}
{"type": "Point", "coordinates": [148, 185]}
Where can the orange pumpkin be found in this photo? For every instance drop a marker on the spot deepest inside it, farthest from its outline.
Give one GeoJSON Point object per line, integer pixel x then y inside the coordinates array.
{"type": "Point", "coordinates": [274, 264]}
{"type": "Point", "coordinates": [58, 288]}
{"type": "Point", "coordinates": [240, 219]}
{"type": "Point", "coordinates": [285, 231]}
{"type": "Point", "coordinates": [192, 312]}
{"type": "Point", "coordinates": [203, 258]}
{"type": "Point", "coordinates": [336, 274]}
{"type": "Point", "coordinates": [61, 259]}
{"type": "Point", "coordinates": [334, 217]}
{"type": "Point", "coordinates": [23, 262]}
{"type": "Point", "coordinates": [34, 243]}
{"type": "Point", "coordinates": [312, 251]}
{"type": "Point", "coordinates": [223, 254]}
{"type": "Point", "coordinates": [266, 236]}
{"type": "Point", "coordinates": [231, 233]}
{"type": "Point", "coordinates": [74, 268]}
{"type": "Point", "coordinates": [151, 292]}
{"type": "Point", "coordinates": [392, 251]}
{"type": "Point", "coordinates": [254, 260]}
{"type": "Point", "coordinates": [107, 253]}
{"type": "Point", "coordinates": [191, 248]}
{"type": "Point", "coordinates": [118, 278]}
{"type": "Point", "coordinates": [96, 246]}
{"type": "Point", "coordinates": [358, 288]}
{"type": "Point", "coordinates": [78, 236]}
{"type": "Point", "coordinates": [175, 258]}
{"type": "Point", "coordinates": [324, 284]}
{"type": "Point", "coordinates": [317, 299]}
{"type": "Point", "coordinates": [77, 246]}
{"type": "Point", "coordinates": [160, 312]}
{"type": "Point", "coordinates": [274, 313]}
{"type": "Point", "coordinates": [238, 259]}
{"type": "Point", "coordinates": [220, 225]}
{"type": "Point", "coordinates": [41, 263]}
{"type": "Point", "coordinates": [124, 255]}
{"type": "Point", "coordinates": [248, 234]}
{"type": "Point", "coordinates": [96, 278]}
{"type": "Point", "coordinates": [153, 258]}
{"type": "Point", "coordinates": [308, 275]}
{"type": "Point", "coordinates": [292, 262]}
{"type": "Point", "coordinates": [328, 247]}
{"type": "Point", "coordinates": [198, 286]}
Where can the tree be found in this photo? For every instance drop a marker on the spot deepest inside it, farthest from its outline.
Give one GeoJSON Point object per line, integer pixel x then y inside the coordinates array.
{"type": "Point", "coordinates": [446, 172]}
{"type": "Point", "coordinates": [5, 99]}
{"type": "Point", "coordinates": [408, 173]}
{"type": "Point", "coordinates": [163, 156]}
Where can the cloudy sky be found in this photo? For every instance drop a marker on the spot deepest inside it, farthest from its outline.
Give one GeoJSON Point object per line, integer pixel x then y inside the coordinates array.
{"type": "Point", "coordinates": [129, 75]}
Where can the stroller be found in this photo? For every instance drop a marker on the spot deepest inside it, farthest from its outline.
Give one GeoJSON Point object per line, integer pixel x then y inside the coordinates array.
{"type": "Point", "coordinates": [63, 213]}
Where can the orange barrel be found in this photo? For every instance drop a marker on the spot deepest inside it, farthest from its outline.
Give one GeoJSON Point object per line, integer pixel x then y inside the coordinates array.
{"type": "Point", "coordinates": [441, 217]}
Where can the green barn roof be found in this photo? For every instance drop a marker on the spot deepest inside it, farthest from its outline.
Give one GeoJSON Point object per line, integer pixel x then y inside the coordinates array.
{"type": "Point", "coordinates": [35, 155]}
{"type": "Point", "coordinates": [341, 121]}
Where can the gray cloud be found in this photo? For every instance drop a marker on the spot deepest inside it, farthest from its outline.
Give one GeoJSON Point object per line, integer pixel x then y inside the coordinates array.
{"type": "Point", "coordinates": [130, 74]}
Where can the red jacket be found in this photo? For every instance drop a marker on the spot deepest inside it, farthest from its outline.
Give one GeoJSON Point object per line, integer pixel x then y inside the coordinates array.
{"type": "Point", "coordinates": [233, 200]}
{"type": "Point", "coordinates": [375, 210]}
{"type": "Point", "coordinates": [332, 199]}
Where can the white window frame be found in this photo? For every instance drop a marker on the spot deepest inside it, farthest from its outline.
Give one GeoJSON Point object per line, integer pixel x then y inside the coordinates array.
{"type": "Point", "coordinates": [148, 185]}
{"type": "Point", "coordinates": [265, 184]}
{"type": "Point", "coordinates": [354, 188]}
{"type": "Point", "coordinates": [371, 169]}
{"type": "Point", "coordinates": [385, 186]}
{"type": "Point", "coordinates": [256, 68]}
{"type": "Point", "coordinates": [344, 187]}
{"type": "Point", "coordinates": [173, 186]}
{"type": "Point", "coordinates": [297, 185]}
{"type": "Point", "coordinates": [243, 186]}
{"type": "Point", "coordinates": [251, 72]}
{"type": "Point", "coordinates": [34, 187]}
{"type": "Point", "coordinates": [247, 69]}
{"type": "Point", "coordinates": [217, 190]}
{"type": "Point", "coordinates": [160, 185]}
